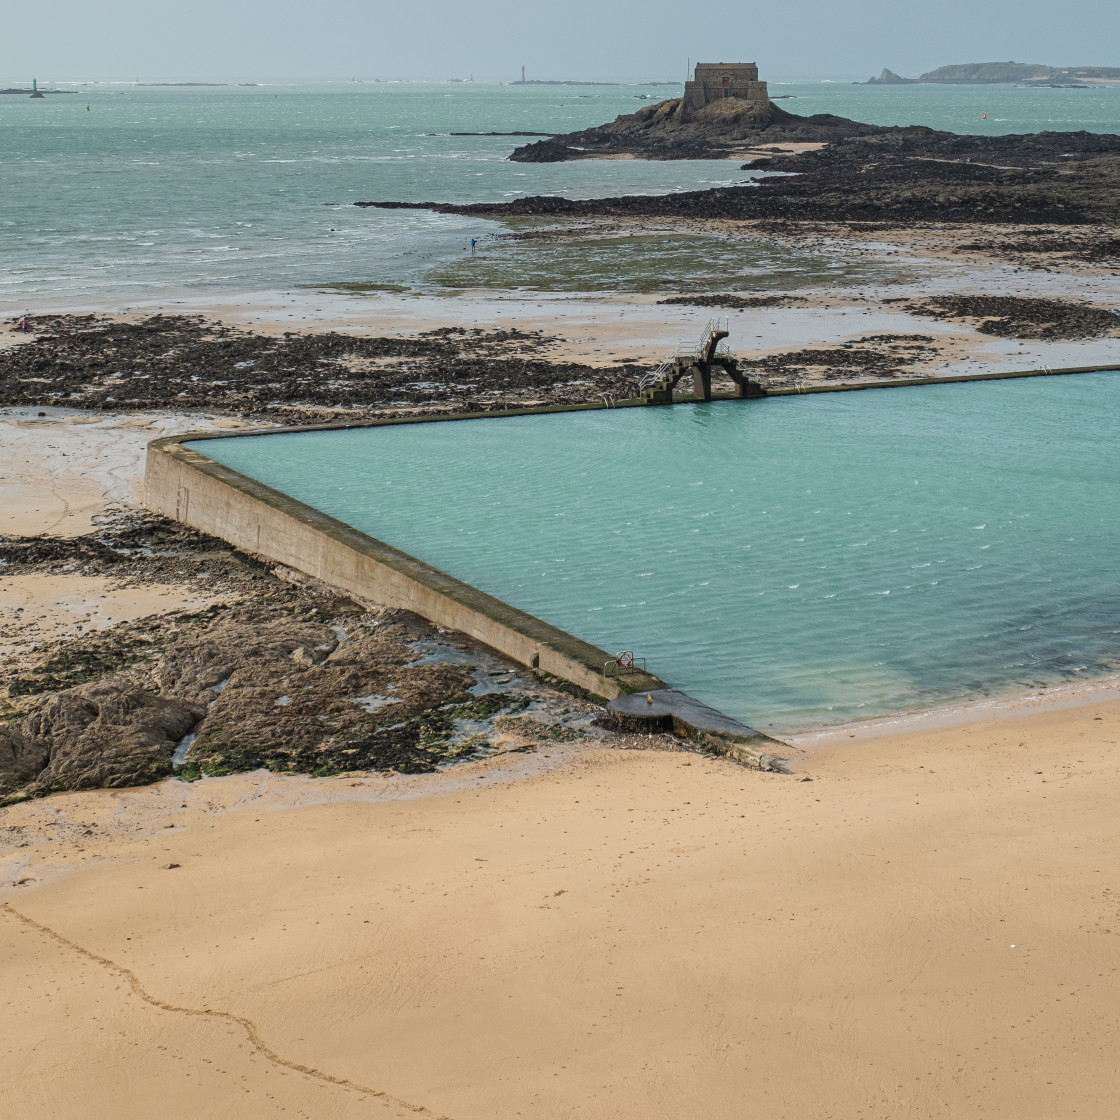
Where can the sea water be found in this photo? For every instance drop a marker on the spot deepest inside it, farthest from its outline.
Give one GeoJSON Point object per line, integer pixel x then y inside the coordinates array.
{"type": "Point", "coordinates": [153, 192]}
{"type": "Point", "coordinates": [795, 562]}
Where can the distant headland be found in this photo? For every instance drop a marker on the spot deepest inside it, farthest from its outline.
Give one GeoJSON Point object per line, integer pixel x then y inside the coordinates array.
{"type": "Point", "coordinates": [1001, 73]}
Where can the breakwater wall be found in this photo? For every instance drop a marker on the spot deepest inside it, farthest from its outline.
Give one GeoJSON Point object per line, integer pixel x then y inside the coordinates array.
{"type": "Point", "coordinates": [186, 485]}
{"type": "Point", "coordinates": [947, 379]}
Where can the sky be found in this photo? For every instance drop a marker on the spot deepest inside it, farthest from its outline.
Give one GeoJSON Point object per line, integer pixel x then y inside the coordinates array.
{"type": "Point", "coordinates": [652, 39]}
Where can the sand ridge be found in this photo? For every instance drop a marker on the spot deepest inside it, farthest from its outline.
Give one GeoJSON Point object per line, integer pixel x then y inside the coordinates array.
{"type": "Point", "coordinates": [250, 1028]}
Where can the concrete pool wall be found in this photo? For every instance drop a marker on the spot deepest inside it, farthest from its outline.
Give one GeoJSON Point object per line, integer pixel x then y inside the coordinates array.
{"type": "Point", "coordinates": [187, 486]}
{"type": "Point", "coordinates": [194, 489]}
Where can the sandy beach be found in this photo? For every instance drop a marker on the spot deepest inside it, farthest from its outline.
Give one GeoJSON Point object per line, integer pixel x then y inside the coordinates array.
{"type": "Point", "coordinates": [929, 927]}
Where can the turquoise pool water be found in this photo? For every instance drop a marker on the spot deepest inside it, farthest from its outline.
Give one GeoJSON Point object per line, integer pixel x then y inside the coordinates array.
{"type": "Point", "coordinates": [795, 562]}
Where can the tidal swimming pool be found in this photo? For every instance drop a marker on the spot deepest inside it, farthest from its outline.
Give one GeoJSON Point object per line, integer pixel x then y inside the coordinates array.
{"type": "Point", "coordinates": [795, 562]}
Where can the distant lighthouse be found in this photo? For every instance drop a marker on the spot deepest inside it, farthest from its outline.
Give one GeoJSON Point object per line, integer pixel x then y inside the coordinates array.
{"type": "Point", "coordinates": [35, 90]}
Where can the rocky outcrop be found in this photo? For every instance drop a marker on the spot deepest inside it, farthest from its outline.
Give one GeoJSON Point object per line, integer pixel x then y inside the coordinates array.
{"type": "Point", "coordinates": [264, 639]}
{"type": "Point", "coordinates": [22, 758]}
{"type": "Point", "coordinates": [280, 690]}
{"type": "Point", "coordinates": [259, 685]}
{"type": "Point", "coordinates": [718, 129]}
{"type": "Point", "coordinates": [276, 673]}
{"type": "Point", "coordinates": [106, 734]}
{"type": "Point", "coordinates": [899, 176]}
{"type": "Point", "coordinates": [863, 172]}
{"type": "Point", "coordinates": [889, 78]}
{"type": "Point", "coordinates": [545, 151]}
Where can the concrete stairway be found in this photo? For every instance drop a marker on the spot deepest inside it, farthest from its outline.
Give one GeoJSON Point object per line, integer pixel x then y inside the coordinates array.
{"type": "Point", "coordinates": [657, 386]}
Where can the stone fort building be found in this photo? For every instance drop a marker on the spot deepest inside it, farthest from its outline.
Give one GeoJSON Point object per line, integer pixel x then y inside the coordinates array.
{"type": "Point", "coordinates": [713, 81]}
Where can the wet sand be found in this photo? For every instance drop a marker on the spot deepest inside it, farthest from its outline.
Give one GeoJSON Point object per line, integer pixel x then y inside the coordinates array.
{"type": "Point", "coordinates": [63, 467]}
{"type": "Point", "coordinates": [60, 472]}
{"type": "Point", "coordinates": [603, 328]}
{"type": "Point", "coordinates": [41, 607]}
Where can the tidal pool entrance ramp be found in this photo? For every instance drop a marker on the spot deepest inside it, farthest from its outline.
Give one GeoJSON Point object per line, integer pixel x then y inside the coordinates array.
{"type": "Point", "coordinates": [667, 709]}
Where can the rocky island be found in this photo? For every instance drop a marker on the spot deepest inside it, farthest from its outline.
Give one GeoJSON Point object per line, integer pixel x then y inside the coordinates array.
{"type": "Point", "coordinates": [724, 109]}
{"type": "Point", "coordinates": [829, 169]}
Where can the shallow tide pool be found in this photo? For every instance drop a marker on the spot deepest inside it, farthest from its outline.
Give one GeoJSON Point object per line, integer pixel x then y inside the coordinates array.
{"type": "Point", "coordinates": [795, 562]}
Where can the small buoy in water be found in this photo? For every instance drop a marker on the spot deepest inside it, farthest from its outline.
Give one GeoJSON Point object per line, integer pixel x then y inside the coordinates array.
{"type": "Point", "coordinates": [984, 117]}
{"type": "Point", "coordinates": [649, 699]}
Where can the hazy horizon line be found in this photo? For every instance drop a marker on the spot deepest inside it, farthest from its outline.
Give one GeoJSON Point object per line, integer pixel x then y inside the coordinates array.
{"type": "Point", "coordinates": [453, 79]}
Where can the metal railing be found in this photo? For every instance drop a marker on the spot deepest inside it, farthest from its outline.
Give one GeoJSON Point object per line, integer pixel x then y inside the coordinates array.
{"type": "Point", "coordinates": [715, 325]}
{"type": "Point", "coordinates": [649, 380]}
{"type": "Point", "coordinates": [623, 662]}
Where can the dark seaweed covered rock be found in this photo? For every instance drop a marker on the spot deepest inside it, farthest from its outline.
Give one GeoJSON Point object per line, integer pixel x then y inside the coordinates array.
{"type": "Point", "coordinates": [1020, 317]}
{"type": "Point", "coordinates": [904, 177]}
{"type": "Point", "coordinates": [105, 734]}
{"type": "Point", "coordinates": [545, 151]}
{"type": "Point", "coordinates": [185, 362]}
